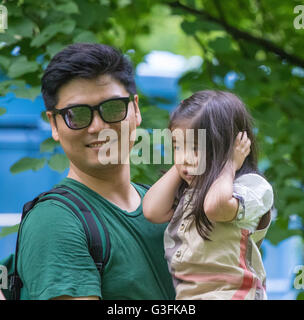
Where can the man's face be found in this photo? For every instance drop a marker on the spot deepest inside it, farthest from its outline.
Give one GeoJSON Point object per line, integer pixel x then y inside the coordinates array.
{"type": "Point", "coordinates": [78, 144]}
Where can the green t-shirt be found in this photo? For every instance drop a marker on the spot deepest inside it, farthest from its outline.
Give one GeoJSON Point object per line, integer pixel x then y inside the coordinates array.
{"type": "Point", "coordinates": [54, 259]}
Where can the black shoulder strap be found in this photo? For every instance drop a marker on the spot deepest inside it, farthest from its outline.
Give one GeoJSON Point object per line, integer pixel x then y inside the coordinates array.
{"type": "Point", "coordinates": [89, 225]}
{"type": "Point", "coordinates": [146, 186]}
{"type": "Point", "coordinates": [93, 235]}
{"type": "Point", "coordinates": [96, 240]}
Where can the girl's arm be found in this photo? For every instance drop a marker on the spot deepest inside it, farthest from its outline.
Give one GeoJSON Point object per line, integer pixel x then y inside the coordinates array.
{"type": "Point", "coordinates": [158, 201]}
{"type": "Point", "coordinates": [219, 204]}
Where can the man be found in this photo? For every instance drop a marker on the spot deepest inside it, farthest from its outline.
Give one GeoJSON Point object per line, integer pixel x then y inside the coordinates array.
{"type": "Point", "coordinates": [54, 260]}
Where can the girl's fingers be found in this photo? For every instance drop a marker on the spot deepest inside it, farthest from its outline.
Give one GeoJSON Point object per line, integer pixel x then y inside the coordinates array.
{"type": "Point", "coordinates": [238, 138]}
{"type": "Point", "coordinates": [246, 147]}
{"type": "Point", "coordinates": [244, 137]}
{"type": "Point", "coordinates": [247, 143]}
{"type": "Point", "coordinates": [243, 143]}
{"type": "Point", "coordinates": [241, 136]}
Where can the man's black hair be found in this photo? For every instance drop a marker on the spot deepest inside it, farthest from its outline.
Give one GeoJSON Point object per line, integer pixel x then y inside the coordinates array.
{"type": "Point", "coordinates": [87, 61]}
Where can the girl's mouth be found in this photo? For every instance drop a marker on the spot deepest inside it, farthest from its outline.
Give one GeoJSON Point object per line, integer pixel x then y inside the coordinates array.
{"type": "Point", "coordinates": [187, 175]}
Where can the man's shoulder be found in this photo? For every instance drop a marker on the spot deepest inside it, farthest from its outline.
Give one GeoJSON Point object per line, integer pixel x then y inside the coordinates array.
{"type": "Point", "coordinates": [60, 199]}
{"type": "Point", "coordinates": [49, 212]}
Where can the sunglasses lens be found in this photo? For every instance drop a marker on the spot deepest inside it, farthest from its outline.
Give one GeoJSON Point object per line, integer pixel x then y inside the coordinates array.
{"type": "Point", "coordinates": [113, 111]}
{"type": "Point", "coordinates": [78, 117]}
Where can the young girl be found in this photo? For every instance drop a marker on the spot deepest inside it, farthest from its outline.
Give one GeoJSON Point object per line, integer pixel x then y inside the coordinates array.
{"type": "Point", "coordinates": [218, 219]}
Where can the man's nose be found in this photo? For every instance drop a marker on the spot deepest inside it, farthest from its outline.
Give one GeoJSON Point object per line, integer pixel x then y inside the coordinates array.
{"type": "Point", "coordinates": [97, 123]}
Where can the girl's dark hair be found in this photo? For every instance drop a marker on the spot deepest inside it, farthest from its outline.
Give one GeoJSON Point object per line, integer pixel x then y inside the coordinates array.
{"type": "Point", "coordinates": [223, 115]}
{"type": "Point", "coordinates": [87, 61]}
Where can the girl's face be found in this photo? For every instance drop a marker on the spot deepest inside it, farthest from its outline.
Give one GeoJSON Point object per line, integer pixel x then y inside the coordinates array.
{"type": "Point", "coordinates": [185, 153]}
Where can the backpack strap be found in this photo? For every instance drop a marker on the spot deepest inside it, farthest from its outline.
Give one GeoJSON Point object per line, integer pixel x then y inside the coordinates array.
{"type": "Point", "coordinates": [97, 242]}
{"type": "Point", "coordinates": [146, 186]}
{"type": "Point", "coordinates": [89, 225]}
{"type": "Point", "coordinates": [15, 283]}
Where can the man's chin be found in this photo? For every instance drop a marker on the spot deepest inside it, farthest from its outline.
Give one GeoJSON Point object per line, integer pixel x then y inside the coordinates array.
{"type": "Point", "coordinates": [99, 170]}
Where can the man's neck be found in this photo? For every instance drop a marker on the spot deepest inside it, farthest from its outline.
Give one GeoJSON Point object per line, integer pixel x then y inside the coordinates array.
{"type": "Point", "coordinates": [114, 185]}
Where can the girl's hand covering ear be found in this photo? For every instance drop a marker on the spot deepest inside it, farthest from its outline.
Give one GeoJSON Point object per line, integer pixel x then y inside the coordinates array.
{"type": "Point", "coordinates": [241, 150]}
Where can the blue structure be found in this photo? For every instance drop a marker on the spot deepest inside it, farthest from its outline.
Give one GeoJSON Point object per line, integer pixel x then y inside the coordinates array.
{"type": "Point", "coordinates": [21, 132]}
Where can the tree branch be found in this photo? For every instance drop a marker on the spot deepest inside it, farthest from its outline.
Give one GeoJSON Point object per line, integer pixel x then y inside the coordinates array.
{"type": "Point", "coordinates": [219, 10]}
{"type": "Point", "coordinates": [239, 34]}
{"type": "Point", "coordinates": [223, 19]}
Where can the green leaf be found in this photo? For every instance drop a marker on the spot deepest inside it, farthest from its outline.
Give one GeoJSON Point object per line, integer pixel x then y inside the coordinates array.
{"type": "Point", "coordinates": [8, 85]}
{"type": "Point", "coordinates": [291, 193]}
{"type": "Point", "coordinates": [86, 36]}
{"type": "Point", "coordinates": [44, 117]}
{"type": "Point", "coordinates": [284, 170]}
{"type": "Point", "coordinates": [123, 3]}
{"type": "Point", "coordinates": [276, 234]}
{"type": "Point", "coordinates": [54, 48]}
{"type": "Point", "coordinates": [221, 45]}
{"type": "Point", "coordinates": [69, 8]}
{"type": "Point", "coordinates": [22, 27]}
{"type": "Point", "coordinates": [59, 162]}
{"type": "Point", "coordinates": [199, 25]}
{"type": "Point", "coordinates": [300, 296]}
{"type": "Point", "coordinates": [50, 31]}
{"type": "Point", "coordinates": [27, 93]}
{"type": "Point", "coordinates": [154, 117]}
{"type": "Point", "coordinates": [93, 15]}
{"type": "Point", "coordinates": [294, 208]}
{"type": "Point", "coordinates": [189, 27]}
{"type": "Point", "coordinates": [5, 231]}
{"type": "Point", "coordinates": [22, 66]}
{"type": "Point", "coordinates": [27, 163]}
{"type": "Point", "coordinates": [2, 111]}
{"type": "Point", "coordinates": [48, 145]}
{"type": "Point", "coordinates": [4, 62]}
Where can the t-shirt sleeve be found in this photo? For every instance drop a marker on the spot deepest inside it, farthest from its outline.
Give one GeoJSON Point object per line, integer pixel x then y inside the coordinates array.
{"type": "Point", "coordinates": [255, 197]}
{"type": "Point", "coordinates": [54, 259]}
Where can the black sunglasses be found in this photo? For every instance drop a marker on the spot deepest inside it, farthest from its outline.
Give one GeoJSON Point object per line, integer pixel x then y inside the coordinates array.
{"type": "Point", "coordinates": [80, 116]}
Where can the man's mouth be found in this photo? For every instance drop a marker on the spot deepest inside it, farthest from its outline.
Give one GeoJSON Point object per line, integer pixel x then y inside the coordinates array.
{"type": "Point", "coordinates": [99, 144]}
{"type": "Point", "coordinates": [96, 144]}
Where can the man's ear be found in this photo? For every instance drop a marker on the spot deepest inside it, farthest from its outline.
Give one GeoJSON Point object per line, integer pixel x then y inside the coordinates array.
{"type": "Point", "coordinates": [53, 125]}
{"type": "Point", "coordinates": [137, 111]}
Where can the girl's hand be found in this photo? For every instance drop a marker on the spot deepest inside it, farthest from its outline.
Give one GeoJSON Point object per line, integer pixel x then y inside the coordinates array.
{"type": "Point", "coordinates": [241, 150]}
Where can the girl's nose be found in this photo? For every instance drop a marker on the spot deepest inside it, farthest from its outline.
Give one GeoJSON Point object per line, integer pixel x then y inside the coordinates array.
{"type": "Point", "coordinates": [190, 159]}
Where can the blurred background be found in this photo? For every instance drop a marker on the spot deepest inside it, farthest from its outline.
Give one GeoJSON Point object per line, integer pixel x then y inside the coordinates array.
{"type": "Point", "coordinates": [250, 47]}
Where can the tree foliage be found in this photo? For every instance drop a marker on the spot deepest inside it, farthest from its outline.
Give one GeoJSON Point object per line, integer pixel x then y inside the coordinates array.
{"type": "Point", "coordinates": [252, 42]}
